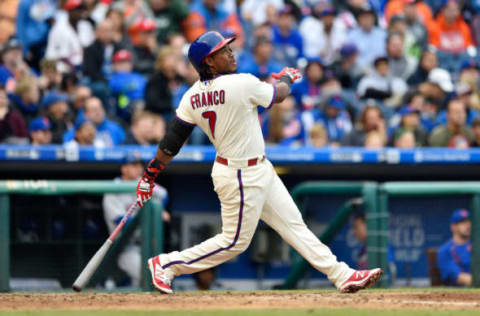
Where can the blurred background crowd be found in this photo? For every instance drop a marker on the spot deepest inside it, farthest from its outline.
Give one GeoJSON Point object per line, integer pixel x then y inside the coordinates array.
{"type": "Point", "coordinates": [402, 73]}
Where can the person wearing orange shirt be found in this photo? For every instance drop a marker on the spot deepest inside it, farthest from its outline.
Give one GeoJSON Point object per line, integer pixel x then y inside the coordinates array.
{"type": "Point", "coordinates": [397, 7]}
{"type": "Point", "coordinates": [449, 32]}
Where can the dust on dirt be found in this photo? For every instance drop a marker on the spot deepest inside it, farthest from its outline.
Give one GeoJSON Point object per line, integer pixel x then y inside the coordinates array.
{"type": "Point", "coordinates": [425, 299]}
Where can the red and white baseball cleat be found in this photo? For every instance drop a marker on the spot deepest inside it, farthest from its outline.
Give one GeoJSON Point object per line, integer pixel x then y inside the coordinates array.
{"type": "Point", "coordinates": [360, 280]}
{"type": "Point", "coordinates": [160, 279]}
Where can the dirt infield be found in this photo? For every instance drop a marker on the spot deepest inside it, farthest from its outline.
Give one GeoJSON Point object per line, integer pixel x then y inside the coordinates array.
{"type": "Point", "coordinates": [426, 299]}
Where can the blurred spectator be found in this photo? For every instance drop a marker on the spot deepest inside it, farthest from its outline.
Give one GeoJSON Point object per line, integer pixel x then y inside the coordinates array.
{"type": "Point", "coordinates": [141, 129]}
{"type": "Point", "coordinates": [371, 120]}
{"type": "Point", "coordinates": [110, 132]}
{"type": "Point", "coordinates": [158, 91]}
{"type": "Point", "coordinates": [12, 125]}
{"type": "Point", "coordinates": [346, 69]}
{"type": "Point", "coordinates": [417, 33]}
{"type": "Point", "coordinates": [428, 61]}
{"type": "Point", "coordinates": [97, 60]}
{"type": "Point", "coordinates": [449, 32]}
{"type": "Point", "coordinates": [381, 85]}
{"type": "Point", "coordinates": [476, 132]}
{"type": "Point", "coordinates": [69, 36]}
{"type": "Point", "coordinates": [287, 41]}
{"type": "Point", "coordinates": [26, 97]}
{"type": "Point", "coordinates": [360, 232]}
{"type": "Point", "coordinates": [470, 75]}
{"type": "Point", "coordinates": [50, 78]}
{"type": "Point", "coordinates": [282, 124]}
{"type": "Point", "coordinates": [374, 140]}
{"type": "Point", "coordinates": [258, 12]}
{"type": "Point", "coordinates": [318, 136]}
{"type": "Point", "coordinates": [56, 107]}
{"type": "Point", "coordinates": [119, 34]}
{"type": "Point", "coordinates": [307, 92]}
{"type": "Point", "coordinates": [410, 122]}
{"type": "Point", "coordinates": [126, 86]}
{"type": "Point", "coordinates": [85, 135]}
{"type": "Point", "coordinates": [454, 257]}
{"type": "Point", "coordinates": [454, 134]}
{"type": "Point", "coordinates": [40, 133]}
{"type": "Point", "coordinates": [7, 19]}
{"type": "Point", "coordinates": [34, 20]}
{"type": "Point", "coordinates": [13, 65]}
{"type": "Point", "coordinates": [463, 92]}
{"type": "Point", "coordinates": [404, 139]}
{"type": "Point", "coordinates": [409, 7]}
{"type": "Point", "coordinates": [368, 38]}
{"type": "Point", "coordinates": [81, 94]}
{"type": "Point", "coordinates": [159, 129]}
{"type": "Point", "coordinates": [210, 15]}
{"type": "Point", "coordinates": [333, 117]}
{"type": "Point", "coordinates": [438, 85]}
{"type": "Point", "coordinates": [323, 34]}
{"type": "Point", "coordinates": [144, 47]}
{"type": "Point", "coordinates": [260, 64]}
{"type": "Point", "coordinates": [133, 11]}
{"type": "Point", "coordinates": [116, 205]}
{"type": "Point", "coordinates": [399, 64]}
{"type": "Point", "coordinates": [169, 16]}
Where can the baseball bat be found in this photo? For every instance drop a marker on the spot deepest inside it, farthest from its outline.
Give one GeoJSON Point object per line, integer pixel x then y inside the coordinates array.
{"type": "Point", "coordinates": [93, 264]}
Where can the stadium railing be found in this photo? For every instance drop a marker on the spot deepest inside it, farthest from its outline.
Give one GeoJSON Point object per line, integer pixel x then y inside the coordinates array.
{"type": "Point", "coordinates": [151, 218]}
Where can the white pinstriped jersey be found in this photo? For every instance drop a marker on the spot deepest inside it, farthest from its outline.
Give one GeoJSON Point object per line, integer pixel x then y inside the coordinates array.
{"type": "Point", "coordinates": [225, 108]}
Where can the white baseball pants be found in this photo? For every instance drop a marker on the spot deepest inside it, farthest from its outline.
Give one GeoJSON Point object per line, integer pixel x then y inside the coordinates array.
{"type": "Point", "coordinates": [247, 195]}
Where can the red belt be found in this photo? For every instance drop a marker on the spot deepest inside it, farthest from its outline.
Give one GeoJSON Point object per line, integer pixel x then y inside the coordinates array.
{"type": "Point", "coordinates": [250, 162]}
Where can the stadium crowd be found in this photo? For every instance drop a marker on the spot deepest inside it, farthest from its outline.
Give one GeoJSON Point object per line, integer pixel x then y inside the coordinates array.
{"type": "Point", "coordinates": [402, 73]}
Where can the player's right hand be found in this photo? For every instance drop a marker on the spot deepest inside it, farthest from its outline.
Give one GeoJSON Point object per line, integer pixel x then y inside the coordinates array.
{"type": "Point", "coordinates": [291, 73]}
{"type": "Point", "coordinates": [144, 189]}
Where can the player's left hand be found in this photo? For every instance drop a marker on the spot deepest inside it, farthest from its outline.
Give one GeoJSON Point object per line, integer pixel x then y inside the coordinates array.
{"type": "Point", "coordinates": [144, 189]}
{"type": "Point", "coordinates": [291, 73]}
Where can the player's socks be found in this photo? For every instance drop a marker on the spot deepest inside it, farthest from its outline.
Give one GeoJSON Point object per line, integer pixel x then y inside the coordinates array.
{"type": "Point", "coordinates": [360, 280]}
{"type": "Point", "coordinates": [160, 277]}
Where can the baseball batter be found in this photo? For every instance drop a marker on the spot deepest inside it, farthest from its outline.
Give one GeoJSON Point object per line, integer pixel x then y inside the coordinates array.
{"type": "Point", "coordinates": [224, 105]}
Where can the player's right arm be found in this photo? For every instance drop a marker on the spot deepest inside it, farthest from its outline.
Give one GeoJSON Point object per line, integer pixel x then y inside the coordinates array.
{"type": "Point", "coordinates": [176, 135]}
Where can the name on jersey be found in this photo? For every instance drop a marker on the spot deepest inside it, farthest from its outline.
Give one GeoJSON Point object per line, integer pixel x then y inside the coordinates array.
{"type": "Point", "coordinates": [200, 100]}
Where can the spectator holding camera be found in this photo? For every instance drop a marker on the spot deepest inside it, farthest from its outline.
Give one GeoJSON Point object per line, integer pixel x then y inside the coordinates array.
{"type": "Point", "coordinates": [371, 120]}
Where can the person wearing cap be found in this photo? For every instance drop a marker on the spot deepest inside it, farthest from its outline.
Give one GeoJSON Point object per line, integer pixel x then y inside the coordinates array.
{"type": "Point", "coordinates": [207, 15]}
{"type": "Point", "coordinates": [12, 125]}
{"type": "Point", "coordinates": [287, 41]}
{"type": "Point", "coordinates": [346, 68]}
{"type": "Point", "coordinates": [85, 134]}
{"type": "Point", "coordinates": [261, 63]}
{"type": "Point", "coordinates": [381, 85]}
{"type": "Point", "coordinates": [439, 85]}
{"type": "Point", "coordinates": [56, 108]}
{"type": "Point", "coordinates": [126, 86]}
{"type": "Point", "coordinates": [12, 64]}
{"type": "Point", "coordinates": [333, 116]}
{"type": "Point", "coordinates": [410, 122]}
{"type": "Point", "coordinates": [452, 133]}
{"type": "Point", "coordinates": [116, 204]}
{"type": "Point", "coordinates": [40, 133]}
{"type": "Point", "coordinates": [454, 257]}
{"type": "Point", "coordinates": [69, 36]}
{"type": "Point", "coordinates": [368, 38]}
{"type": "Point", "coordinates": [34, 21]}
{"type": "Point", "coordinates": [449, 32]}
{"type": "Point", "coordinates": [307, 92]}
{"type": "Point", "coordinates": [145, 46]}
{"type": "Point", "coordinates": [323, 33]}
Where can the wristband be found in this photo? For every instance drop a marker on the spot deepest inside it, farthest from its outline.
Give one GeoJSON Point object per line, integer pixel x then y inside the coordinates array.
{"type": "Point", "coordinates": [286, 79]}
{"type": "Point", "coordinates": [154, 168]}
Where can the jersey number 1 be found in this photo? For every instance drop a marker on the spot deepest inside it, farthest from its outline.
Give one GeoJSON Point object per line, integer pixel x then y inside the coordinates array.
{"type": "Point", "coordinates": [211, 116]}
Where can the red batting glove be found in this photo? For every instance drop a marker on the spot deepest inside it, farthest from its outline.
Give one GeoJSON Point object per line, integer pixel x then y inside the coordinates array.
{"type": "Point", "coordinates": [147, 181]}
{"type": "Point", "coordinates": [291, 73]}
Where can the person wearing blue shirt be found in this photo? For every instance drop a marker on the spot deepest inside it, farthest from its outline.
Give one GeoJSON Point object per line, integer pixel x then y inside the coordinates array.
{"type": "Point", "coordinates": [307, 92]}
{"type": "Point", "coordinates": [260, 64]}
{"type": "Point", "coordinates": [454, 257]}
{"type": "Point", "coordinates": [288, 43]}
{"type": "Point", "coordinates": [108, 132]}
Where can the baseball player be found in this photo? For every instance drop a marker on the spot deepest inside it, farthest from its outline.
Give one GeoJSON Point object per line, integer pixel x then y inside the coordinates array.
{"type": "Point", "coordinates": [224, 105]}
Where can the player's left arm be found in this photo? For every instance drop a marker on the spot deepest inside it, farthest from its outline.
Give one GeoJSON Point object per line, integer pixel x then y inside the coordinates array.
{"type": "Point", "coordinates": [176, 135]}
{"type": "Point", "coordinates": [285, 79]}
